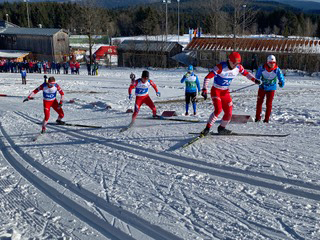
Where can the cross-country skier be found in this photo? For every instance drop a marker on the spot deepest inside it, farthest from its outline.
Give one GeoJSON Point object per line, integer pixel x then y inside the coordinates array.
{"type": "Point", "coordinates": [142, 88]}
{"type": "Point", "coordinates": [50, 89]}
{"type": "Point", "coordinates": [192, 84]}
{"type": "Point", "coordinates": [268, 73]}
{"type": "Point", "coordinates": [223, 75]}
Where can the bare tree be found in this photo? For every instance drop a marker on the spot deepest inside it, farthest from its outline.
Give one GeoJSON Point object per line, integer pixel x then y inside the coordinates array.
{"type": "Point", "coordinates": [242, 16]}
{"type": "Point", "coordinates": [91, 22]}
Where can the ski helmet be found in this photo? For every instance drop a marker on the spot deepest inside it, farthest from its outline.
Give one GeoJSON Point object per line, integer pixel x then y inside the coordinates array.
{"type": "Point", "coordinates": [271, 58]}
{"type": "Point", "coordinates": [190, 68]}
{"type": "Point", "coordinates": [145, 74]}
{"type": "Point", "coordinates": [235, 58]}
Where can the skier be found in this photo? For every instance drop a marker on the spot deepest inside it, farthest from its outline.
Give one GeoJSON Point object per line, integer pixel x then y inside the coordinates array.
{"type": "Point", "coordinates": [142, 87]}
{"type": "Point", "coordinates": [223, 75]}
{"type": "Point", "coordinates": [50, 89]}
{"type": "Point", "coordinates": [192, 84]}
{"type": "Point", "coordinates": [23, 76]}
{"type": "Point", "coordinates": [268, 73]}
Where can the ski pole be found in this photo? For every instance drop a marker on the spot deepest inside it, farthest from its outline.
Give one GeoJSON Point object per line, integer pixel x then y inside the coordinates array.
{"type": "Point", "coordinates": [237, 90]}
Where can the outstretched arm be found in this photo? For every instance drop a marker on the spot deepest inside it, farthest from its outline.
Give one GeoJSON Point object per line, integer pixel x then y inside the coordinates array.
{"type": "Point", "coordinates": [132, 86]}
{"type": "Point", "coordinates": [61, 93]}
{"type": "Point", "coordinates": [153, 85]}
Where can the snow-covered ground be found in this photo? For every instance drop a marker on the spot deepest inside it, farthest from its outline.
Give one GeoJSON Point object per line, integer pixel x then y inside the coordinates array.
{"type": "Point", "coordinates": [86, 183]}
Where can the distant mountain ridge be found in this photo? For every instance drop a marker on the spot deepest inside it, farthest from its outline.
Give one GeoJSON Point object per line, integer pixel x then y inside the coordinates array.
{"type": "Point", "coordinates": [303, 5]}
{"type": "Point", "coordinates": [104, 3]}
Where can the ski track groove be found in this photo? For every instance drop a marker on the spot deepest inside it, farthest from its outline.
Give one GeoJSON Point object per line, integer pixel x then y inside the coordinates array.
{"type": "Point", "coordinates": [290, 232]}
{"type": "Point", "coordinates": [128, 148]}
{"type": "Point", "coordinates": [256, 228]}
{"type": "Point", "coordinates": [129, 218]}
{"type": "Point", "coordinates": [104, 186]}
{"type": "Point", "coordinates": [53, 193]}
{"type": "Point", "coordinates": [15, 200]}
{"type": "Point", "coordinates": [226, 172]}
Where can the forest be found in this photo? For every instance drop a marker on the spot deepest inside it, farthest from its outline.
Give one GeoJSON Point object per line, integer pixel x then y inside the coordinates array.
{"type": "Point", "coordinates": [212, 16]}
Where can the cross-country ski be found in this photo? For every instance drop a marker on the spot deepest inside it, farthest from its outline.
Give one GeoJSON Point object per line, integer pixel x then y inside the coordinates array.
{"type": "Point", "coordinates": [245, 134]}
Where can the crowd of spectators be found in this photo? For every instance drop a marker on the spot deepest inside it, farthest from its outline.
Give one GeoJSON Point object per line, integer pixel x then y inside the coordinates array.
{"type": "Point", "coordinates": [45, 67]}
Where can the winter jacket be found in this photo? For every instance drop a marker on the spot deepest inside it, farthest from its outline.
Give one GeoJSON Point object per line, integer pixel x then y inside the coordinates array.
{"type": "Point", "coordinates": [269, 77]}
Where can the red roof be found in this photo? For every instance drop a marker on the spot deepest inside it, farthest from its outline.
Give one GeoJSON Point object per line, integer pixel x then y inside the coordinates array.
{"type": "Point", "coordinates": [106, 50]}
{"type": "Point", "coordinates": [283, 45]}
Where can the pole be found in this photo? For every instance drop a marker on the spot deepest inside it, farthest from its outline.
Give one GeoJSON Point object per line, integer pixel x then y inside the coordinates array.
{"type": "Point", "coordinates": [166, 20]}
{"type": "Point", "coordinates": [178, 19]}
{"type": "Point", "coordinates": [166, 2]}
{"type": "Point", "coordinates": [244, 18]}
{"type": "Point", "coordinates": [237, 90]}
{"type": "Point", "coordinates": [27, 13]}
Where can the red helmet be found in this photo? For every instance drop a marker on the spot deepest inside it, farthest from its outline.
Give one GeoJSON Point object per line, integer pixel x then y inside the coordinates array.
{"type": "Point", "coordinates": [235, 58]}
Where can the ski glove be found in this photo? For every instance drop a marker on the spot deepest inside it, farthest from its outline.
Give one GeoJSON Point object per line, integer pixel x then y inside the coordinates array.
{"type": "Point", "coordinates": [281, 84]}
{"type": "Point", "coordinates": [158, 94]}
{"type": "Point", "coordinates": [130, 96]}
{"type": "Point", "coordinates": [204, 94]}
{"type": "Point", "coordinates": [60, 104]}
{"type": "Point", "coordinates": [132, 76]}
{"type": "Point", "coordinates": [26, 99]}
{"type": "Point", "coordinates": [258, 81]}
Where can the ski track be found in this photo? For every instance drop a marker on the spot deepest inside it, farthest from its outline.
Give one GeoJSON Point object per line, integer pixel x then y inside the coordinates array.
{"type": "Point", "coordinates": [308, 190]}
{"type": "Point", "coordinates": [91, 219]}
{"type": "Point", "coordinates": [54, 193]}
{"type": "Point", "coordinates": [210, 168]}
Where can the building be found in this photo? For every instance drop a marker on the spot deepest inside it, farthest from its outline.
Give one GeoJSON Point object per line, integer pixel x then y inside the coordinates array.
{"type": "Point", "coordinates": [17, 56]}
{"type": "Point", "coordinates": [43, 43]}
{"type": "Point", "coordinates": [144, 53]}
{"type": "Point", "coordinates": [105, 51]}
{"type": "Point", "coordinates": [291, 53]}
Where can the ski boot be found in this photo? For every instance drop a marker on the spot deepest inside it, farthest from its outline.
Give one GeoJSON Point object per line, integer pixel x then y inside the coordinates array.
{"type": "Point", "coordinates": [43, 130]}
{"type": "Point", "coordinates": [60, 122]}
{"type": "Point", "coordinates": [223, 131]}
{"type": "Point", "coordinates": [205, 131]}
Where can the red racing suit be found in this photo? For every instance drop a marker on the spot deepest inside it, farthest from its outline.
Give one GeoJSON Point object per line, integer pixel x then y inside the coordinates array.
{"type": "Point", "coordinates": [49, 100]}
{"type": "Point", "coordinates": [220, 94]}
{"type": "Point", "coordinates": [142, 96]}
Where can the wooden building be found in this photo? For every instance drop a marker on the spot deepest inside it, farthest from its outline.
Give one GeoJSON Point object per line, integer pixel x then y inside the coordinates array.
{"type": "Point", "coordinates": [291, 53]}
{"type": "Point", "coordinates": [144, 53]}
{"type": "Point", "coordinates": [44, 43]}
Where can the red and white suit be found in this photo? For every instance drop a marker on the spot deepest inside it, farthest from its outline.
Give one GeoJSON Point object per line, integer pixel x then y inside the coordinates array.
{"type": "Point", "coordinates": [142, 96]}
{"type": "Point", "coordinates": [220, 94]}
{"type": "Point", "coordinates": [49, 100]}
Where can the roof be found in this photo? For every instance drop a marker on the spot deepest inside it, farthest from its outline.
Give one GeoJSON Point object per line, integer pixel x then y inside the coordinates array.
{"type": "Point", "coordinates": [32, 31]}
{"type": "Point", "coordinates": [103, 50]}
{"type": "Point", "coordinates": [13, 53]}
{"type": "Point", "coordinates": [275, 45]}
{"type": "Point", "coordinates": [147, 46]}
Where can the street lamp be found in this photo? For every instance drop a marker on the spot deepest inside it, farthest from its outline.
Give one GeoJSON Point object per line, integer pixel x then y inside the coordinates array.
{"type": "Point", "coordinates": [26, 1]}
{"type": "Point", "coordinates": [178, 20]}
{"type": "Point", "coordinates": [244, 18]}
{"type": "Point", "coordinates": [166, 2]}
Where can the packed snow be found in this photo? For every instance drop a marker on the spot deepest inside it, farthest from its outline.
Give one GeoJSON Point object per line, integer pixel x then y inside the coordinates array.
{"type": "Point", "coordinates": [98, 183]}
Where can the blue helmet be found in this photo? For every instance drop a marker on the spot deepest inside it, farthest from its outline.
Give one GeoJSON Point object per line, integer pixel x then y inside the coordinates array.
{"type": "Point", "coordinates": [190, 68]}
